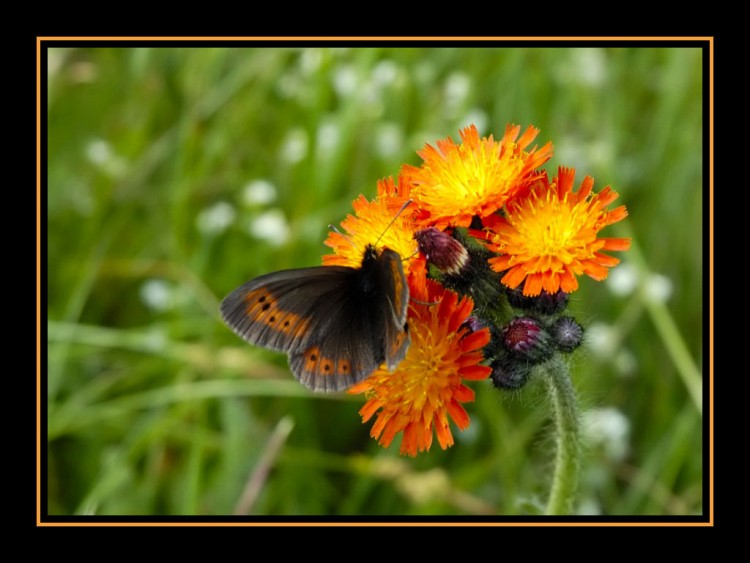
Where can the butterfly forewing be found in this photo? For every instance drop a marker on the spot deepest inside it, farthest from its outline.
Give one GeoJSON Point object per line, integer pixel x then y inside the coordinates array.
{"type": "Point", "coordinates": [283, 310]}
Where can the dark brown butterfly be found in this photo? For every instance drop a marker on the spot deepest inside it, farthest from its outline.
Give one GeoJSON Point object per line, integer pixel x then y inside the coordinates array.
{"type": "Point", "coordinates": [336, 324]}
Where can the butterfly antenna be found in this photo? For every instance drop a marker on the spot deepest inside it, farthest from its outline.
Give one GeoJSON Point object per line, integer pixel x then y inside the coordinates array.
{"type": "Point", "coordinates": [388, 226]}
{"type": "Point", "coordinates": [412, 255]}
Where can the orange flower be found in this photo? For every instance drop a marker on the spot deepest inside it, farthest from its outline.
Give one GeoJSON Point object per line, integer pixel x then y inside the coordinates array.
{"type": "Point", "coordinates": [427, 389]}
{"type": "Point", "coordinates": [549, 237]}
{"type": "Point", "coordinates": [476, 177]}
{"type": "Point", "coordinates": [380, 222]}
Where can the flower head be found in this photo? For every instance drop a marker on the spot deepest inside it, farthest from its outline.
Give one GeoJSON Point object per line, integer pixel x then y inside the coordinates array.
{"type": "Point", "coordinates": [427, 389]}
{"type": "Point", "coordinates": [475, 177]}
{"type": "Point", "coordinates": [549, 236]}
{"type": "Point", "coordinates": [383, 220]}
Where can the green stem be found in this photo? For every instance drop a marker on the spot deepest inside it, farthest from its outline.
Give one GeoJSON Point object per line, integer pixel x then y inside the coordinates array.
{"type": "Point", "coordinates": [567, 438]}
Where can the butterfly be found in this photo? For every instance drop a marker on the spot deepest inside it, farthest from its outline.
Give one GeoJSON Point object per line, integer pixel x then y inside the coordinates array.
{"type": "Point", "coordinates": [337, 324]}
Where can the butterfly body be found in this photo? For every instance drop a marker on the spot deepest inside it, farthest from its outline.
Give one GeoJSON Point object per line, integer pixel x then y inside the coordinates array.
{"type": "Point", "coordinates": [337, 324]}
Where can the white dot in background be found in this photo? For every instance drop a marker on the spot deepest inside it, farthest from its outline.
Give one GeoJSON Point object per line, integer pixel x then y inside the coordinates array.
{"type": "Point", "coordinates": [270, 226]}
{"type": "Point", "coordinates": [345, 80]}
{"type": "Point", "coordinates": [328, 137]}
{"type": "Point", "coordinates": [622, 279]}
{"type": "Point", "coordinates": [455, 91]}
{"type": "Point", "coordinates": [384, 73]}
{"type": "Point", "coordinates": [295, 145]}
{"type": "Point", "coordinates": [658, 288]}
{"type": "Point", "coordinates": [601, 339]}
{"type": "Point", "coordinates": [389, 139]}
{"type": "Point", "coordinates": [99, 153]}
{"type": "Point", "coordinates": [258, 192]}
{"type": "Point", "coordinates": [215, 219]}
{"type": "Point", "coordinates": [609, 428]}
{"type": "Point", "coordinates": [156, 294]}
{"type": "Point", "coordinates": [457, 87]}
{"type": "Point", "coordinates": [310, 61]}
{"type": "Point", "coordinates": [589, 506]}
{"type": "Point", "coordinates": [589, 65]}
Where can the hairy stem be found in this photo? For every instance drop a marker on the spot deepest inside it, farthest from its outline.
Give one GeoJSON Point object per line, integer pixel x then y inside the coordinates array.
{"type": "Point", "coordinates": [567, 438]}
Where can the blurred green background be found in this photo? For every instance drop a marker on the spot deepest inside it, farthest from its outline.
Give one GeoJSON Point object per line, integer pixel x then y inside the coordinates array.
{"type": "Point", "coordinates": [176, 174]}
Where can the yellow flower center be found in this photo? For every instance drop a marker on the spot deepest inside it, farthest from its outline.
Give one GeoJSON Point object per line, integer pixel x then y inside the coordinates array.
{"type": "Point", "coordinates": [549, 228]}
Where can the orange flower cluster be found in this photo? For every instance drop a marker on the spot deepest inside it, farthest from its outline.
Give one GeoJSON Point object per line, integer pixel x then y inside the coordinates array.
{"type": "Point", "coordinates": [529, 232]}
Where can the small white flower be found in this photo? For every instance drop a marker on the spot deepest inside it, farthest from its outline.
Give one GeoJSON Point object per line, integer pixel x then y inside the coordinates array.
{"type": "Point", "coordinates": [608, 428]}
{"type": "Point", "coordinates": [100, 153]}
{"type": "Point", "coordinates": [589, 66]}
{"type": "Point", "coordinates": [310, 61]}
{"type": "Point", "coordinates": [270, 226]}
{"type": "Point", "coordinates": [384, 73]}
{"type": "Point", "coordinates": [658, 288]}
{"type": "Point", "coordinates": [389, 139]}
{"type": "Point", "coordinates": [345, 80]}
{"type": "Point", "coordinates": [295, 146]}
{"type": "Point", "coordinates": [215, 219]}
{"type": "Point", "coordinates": [457, 87]}
{"type": "Point", "coordinates": [601, 339]}
{"type": "Point", "coordinates": [258, 192]}
{"type": "Point", "coordinates": [328, 137]}
{"type": "Point", "coordinates": [156, 294]}
{"type": "Point", "coordinates": [623, 279]}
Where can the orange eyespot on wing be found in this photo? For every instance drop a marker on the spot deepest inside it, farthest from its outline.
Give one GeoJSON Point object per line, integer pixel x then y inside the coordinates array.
{"type": "Point", "coordinates": [319, 365]}
{"type": "Point", "coordinates": [316, 363]}
{"type": "Point", "coordinates": [344, 367]}
{"type": "Point", "coordinates": [262, 307]}
{"type": "Point", "coordinates": [321, 372]}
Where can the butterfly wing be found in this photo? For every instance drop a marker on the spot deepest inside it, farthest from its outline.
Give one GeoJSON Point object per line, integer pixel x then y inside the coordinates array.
{"type": "Point", "coordinates": [396, 295]}
{"type": "Point", "coordinates": [346, 347]}
{"type": "Point", "coordinates": [315, 315]}
{"type": "Point", "coordinates": [275, 311]}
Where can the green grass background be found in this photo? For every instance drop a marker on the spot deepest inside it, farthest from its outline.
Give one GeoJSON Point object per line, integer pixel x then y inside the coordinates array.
{"type": "Point", "coordinates": [176, 174]}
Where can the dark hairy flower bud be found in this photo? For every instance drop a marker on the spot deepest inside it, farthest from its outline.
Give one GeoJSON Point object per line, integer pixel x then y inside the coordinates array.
{"type": "Point", "coordinates": [474, 324]}
{"type": "Point", "coordinates": [508, 373]}
{"type": "Point", "coordinates": [566, 333]}
{"type": "Point", "coordinates": [544, 303]}
{"type": "Point", "coordinates": [524, 337]}
{"type": "Point", "coordinates": [442, 250]}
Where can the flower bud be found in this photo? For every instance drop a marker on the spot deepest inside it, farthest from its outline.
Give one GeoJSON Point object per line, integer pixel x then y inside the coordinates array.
{"type": "Point", "coordinates": [543, 304]}
{"type": "Point", "coordinates": [442, 250]}
{"type": "Point", "coordinates": [509, 374]}
{"type": "Point", "coordinates": [474, 324]}
{"type": "Point", "coordinates": [524, 337]}
{"type": "Point", "coordinates": [566, 333]}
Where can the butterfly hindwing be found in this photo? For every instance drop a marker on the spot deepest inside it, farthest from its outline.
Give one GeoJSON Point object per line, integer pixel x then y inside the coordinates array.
{"type": "Point", "coordinates": [397, 296]}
